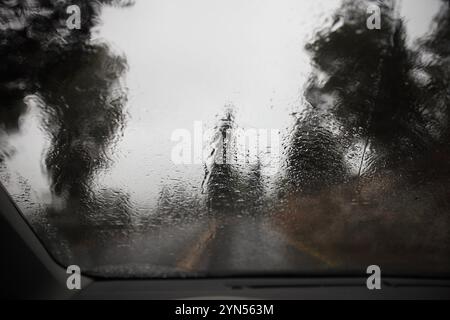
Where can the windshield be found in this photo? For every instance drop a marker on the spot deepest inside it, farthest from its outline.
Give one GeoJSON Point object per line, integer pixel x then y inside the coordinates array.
{"type": "Point", "coordinates": [156, 138]}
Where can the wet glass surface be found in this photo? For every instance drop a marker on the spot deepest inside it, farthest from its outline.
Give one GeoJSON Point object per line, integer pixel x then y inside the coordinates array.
{"type": "Point", "coordinates": [103, 144]}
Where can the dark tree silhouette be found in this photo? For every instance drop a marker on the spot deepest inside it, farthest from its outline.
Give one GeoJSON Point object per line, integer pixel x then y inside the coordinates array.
{"type": "Point", "coordinates": [433, 62]}
{"type": "Point", "coordinates": [220, 176]}
{"type": "Point", "coordinates": [367, 76]}
{"type": "Point", "coordinates": [362, 89]}
{"type": "Point", "coordinates": [80, 85]}
{"type": "Point", "coordinates": [368, 85]}
{"type": "Point", "coordinates": [231, 187]}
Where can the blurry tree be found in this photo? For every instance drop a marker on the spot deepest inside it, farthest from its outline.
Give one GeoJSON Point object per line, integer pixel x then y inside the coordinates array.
{"type": "Point", "coordinates": [231, 187]}
{"type": "Point", "coordinates": [221, 178]}
{"type": "Point", "coordinates": [433, 72]}
{"type": "Point", "coordinates": [363, 88]}
{"type": "Point", "coordinates": [80, 84]}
